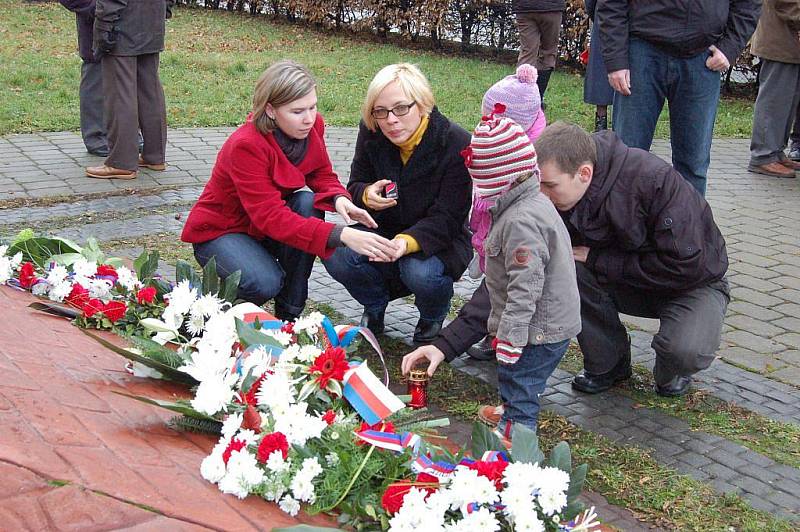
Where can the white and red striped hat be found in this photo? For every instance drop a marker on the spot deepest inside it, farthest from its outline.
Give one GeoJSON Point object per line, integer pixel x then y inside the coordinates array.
{"type": "Point", "coordinates": [499, 154]}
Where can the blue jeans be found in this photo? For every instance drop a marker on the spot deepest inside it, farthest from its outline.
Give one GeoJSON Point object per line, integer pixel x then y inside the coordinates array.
{"type": "Point", "coordinates": [269, 268]}
{"type": "Point", "coordinates": [374, 284]}
{"type": "Point", "coordinates": [692, 91]}
{"type": "Point", "coordinates": [522, 383]}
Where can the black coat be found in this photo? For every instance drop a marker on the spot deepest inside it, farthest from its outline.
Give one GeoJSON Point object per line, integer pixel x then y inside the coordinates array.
{"type": "Point", "coordinates": [434, 189]}
{"type": "Point", "coordinates": [537, 6]}
{"type": "Point", "coordinates": [84, 15]}
{"type": "Point", "coordinates": [138, 25]}
{"type": "Point", "coordinates": [645, 225]}
{"type": "Point", "coordinates": [678, 27]}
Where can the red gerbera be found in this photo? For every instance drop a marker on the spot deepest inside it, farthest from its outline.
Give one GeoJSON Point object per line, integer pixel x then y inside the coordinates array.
{"type": "Point", "coordinates": [491, 470]}
{"type": "Point", "coordinates": [146, 295]}
{"type": "Point", "coordinates": [106, 271]}
{"type": "Point", "coordinates": [233, 446]}
{"type": "Point", "coordinates": [274, 441]}
{"type": "Point", "coordinates": [92, 307]}
{"type": "Point", "coordinates": [26, 275]}
{"type": "Point", "coordinates": [78, 296]}
{"type": "Point", "coordinates": [329, 417]}
{"type": "Point", "coordinates": [114, 310]}
{"type": "Point", "coordinates": [331, 364]}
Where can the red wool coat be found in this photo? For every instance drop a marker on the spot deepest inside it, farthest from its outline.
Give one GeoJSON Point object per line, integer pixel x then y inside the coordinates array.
{"type": "Point", "coordinates": [249, 186]}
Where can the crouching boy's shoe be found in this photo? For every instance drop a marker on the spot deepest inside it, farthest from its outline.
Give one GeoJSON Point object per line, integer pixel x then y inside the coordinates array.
{"type": "Point", "coordinates": [491, 414]}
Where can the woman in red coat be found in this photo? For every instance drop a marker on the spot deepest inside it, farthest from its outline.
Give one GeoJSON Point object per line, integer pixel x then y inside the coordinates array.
{"type": "Point", "coordinates": [252, 215]}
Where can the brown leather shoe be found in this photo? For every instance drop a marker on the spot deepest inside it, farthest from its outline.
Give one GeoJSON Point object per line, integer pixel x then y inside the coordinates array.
{"type": "Point", "coordinates": [491, 414]}
{"type": "Point", "coordinates": [791, 165]}
{"type": "Point", "coordinates": [109, 172]}
{"type": "Point", "coordinates": [159, 167]}
{"type": "Point", "coordinates": [775, 169]}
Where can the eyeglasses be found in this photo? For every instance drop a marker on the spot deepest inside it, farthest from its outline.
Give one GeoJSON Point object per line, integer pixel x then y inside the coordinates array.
{"type": "Point", "coordinates": [398, 110]}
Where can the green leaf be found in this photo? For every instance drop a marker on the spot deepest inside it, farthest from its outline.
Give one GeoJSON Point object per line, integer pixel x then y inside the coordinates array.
{"type": "Point", "coordinates": [67, 259]}
{"type": "Point", "coordinates": [180, 406]}
{"type": "Point", "coordinates": [146, 265]}
{"type": "Point", "coordinates": [92, 251]}
{"type": "Point", "coordinates": [230, 287]}
{"type": "Point", "coordinates": [484, 439]}
{"type": "Point", "coordinates": [38, 250]}
{"type": "Point", "coordinates": [248, 336]}
{"type": "Point", "coordinates": [561, 457]}
{"type": "Point", "coordinates": [525, 445]}
{"type": "Point", "coordinates": [576, 480]}
{"type": "Point", "coordinates": [210, 278]}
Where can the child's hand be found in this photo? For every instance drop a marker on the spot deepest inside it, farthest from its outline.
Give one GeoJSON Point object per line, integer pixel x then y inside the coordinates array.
{"type": "Point", "coordinates": [433, 354]}
{"type": "Point", "coordinates": [505, 352]}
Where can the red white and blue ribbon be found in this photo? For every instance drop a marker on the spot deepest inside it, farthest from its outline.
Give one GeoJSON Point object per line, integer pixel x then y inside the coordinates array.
{"type": "Point", "coordinates": [343, 335]}
{"type": "Point", "coordinates": [373, 401]}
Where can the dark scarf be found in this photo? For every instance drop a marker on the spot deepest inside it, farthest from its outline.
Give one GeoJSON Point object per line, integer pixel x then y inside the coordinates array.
{"type": "Point", "coordinates": [294, 149]}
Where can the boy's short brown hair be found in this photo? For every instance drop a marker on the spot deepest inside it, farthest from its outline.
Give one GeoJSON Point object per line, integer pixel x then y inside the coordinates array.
{"type": "Point", "coordinates": [566, 145]}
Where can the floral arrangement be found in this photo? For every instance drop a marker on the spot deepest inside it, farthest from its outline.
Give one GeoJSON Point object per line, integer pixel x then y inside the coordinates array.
{"type": "Point", "coordinates": [303, 420]}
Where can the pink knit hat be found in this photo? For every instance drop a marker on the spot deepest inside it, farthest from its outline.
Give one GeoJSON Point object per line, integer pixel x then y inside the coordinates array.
{"type": "Point", "coordinates": [499, 154]}
{"type": "Point", "coordinates": [519, 93]}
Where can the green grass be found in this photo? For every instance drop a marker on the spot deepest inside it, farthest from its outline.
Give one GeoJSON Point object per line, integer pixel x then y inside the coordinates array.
{"type": "Point", "coordinates": [213, 58]}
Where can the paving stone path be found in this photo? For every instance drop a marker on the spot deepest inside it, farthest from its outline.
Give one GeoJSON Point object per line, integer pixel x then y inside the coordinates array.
{"type": "Point", "coordinates": [757, 215]}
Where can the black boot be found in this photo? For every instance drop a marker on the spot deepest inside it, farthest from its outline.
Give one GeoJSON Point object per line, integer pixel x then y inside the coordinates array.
{"type": "Point", "coordinates": [593, 383]}
{"type": "Point", "coordinates": [678, 386]}
{"type": "Point", "coordinates": [600, 122]}
{"type": "Point", "coordinates": [542, 82]}
{"type": "Point", "coordinates": [373, 321]}
{"type": "Point", "coordinates": [482, 350]}
{"type": "Point", "coordinates": [426, 331]}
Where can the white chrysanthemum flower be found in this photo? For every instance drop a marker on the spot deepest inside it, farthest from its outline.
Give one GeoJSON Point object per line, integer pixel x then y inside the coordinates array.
{"type": "Point", "coordinates": [302, 488]}
{"type": "Point", "coordinates": [57, 275]}
{"type": "Point", "coordinates": [213, 468]}
{"type": "Point", "coordinates": [99, 288]}
{"type": "Point", "coordinates": [552, 501]}
{"type": "Point", "coordinates": [8, 265]}
{"type": "Point", "coordinates": [521, 475]}
{"type": "Point", "coordinates": [231, 424]}
{"type": "Point", "coordinates": [181, 297]}
{"type": "Point", "coordinates": [466, 487]}
{"type": "Point", "coordinates": [195, 324]}
{"type": "Point", "coordinates": [40, 288]}
{"type": "Point", "coordinates": [414, 514]}
{"type": "Point", "coordinates": [220, 333]}
{"type": "Point", "coordinates": [311, 467]}
{"type": "Point", "coordinates": [290, 354]}
{"type": "Point", "coordinates": [205, 364]}
{"type": "Point", "coordinates": [482, 520]}
{"type": "Point", "coordinates": [297, 425]}
{"type": "Point", "coordinates": [437, 503]}
{"type": "Point", "coordinates": [529, 522]}
{"type": "Point", "coordinates": [283, 337]}
{"type": "Point", "coordinates": [551, 485]}
{"type": "Point", "coordinates": [248, 436]}
{"type": "Point", "coordinates": [289, 505]}
{"type": "Point", "coordinates": [127, 279]}
{"type": "Point", "coordinates": [243, 474]}
{"type": "Point", "coordinates": [276, 463]}
{"type": "Point", "coordinates": [308, 353]}
{"type": "Point", "coordinates": [332, 459]}
{"type": "Point", "coordinates": [214, 394]}
{"type": "Point", "coordinates": [309, 324]}
{"type": "Point", "coordinates": [59, 291]}
{"type": "Point", "coordinates": [276, 389]}
{"type": "Point", "coordinates": [517, 502]}
{"type": "Point", "coordinates": [207, 305]}
{"type": "Point", "coordinates": [256, 361]}
{"type": "Point", "coordinates": [84, 268]}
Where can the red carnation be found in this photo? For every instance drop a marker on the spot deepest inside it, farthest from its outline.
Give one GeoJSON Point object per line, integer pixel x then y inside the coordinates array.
{"type": "Point", "coordinates": [233, 446]}
{"type": "Point", "coordinates": [146, 295]}
{"type": "Point", "coordinates": [114, 310]}
{"type": "Point", "coordinates": [427, 479]}
{"type": "Point", "coordinates": [392, 499]}
{"type": "Point", "coordinates": [26, 275]}
{"type": "Point", "coordinates": [274, 441]}
{"type": "Point", "coordinates": [331, 364]}
{"type": "Point", "coordinates": [329, 417]}
{"type": "Point", "coordinates": [92, 307]}
{"type": "Point", "coordinates": [251, 419]}
{"type": "Point", "coordinates": [288, 327]}
{"type": "Point", "coordinates": [78, 296]}
{"type": "Point", "coordinates": [106, 271]}
{"type": "Point", "coordinates": [491, 470]}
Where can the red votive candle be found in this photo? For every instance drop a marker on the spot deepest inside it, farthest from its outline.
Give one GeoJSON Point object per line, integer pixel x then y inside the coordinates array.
{"type": "Point", "coordinates": [418, 388]}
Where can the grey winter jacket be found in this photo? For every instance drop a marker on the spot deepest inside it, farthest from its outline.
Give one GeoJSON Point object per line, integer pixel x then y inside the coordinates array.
{"type": "Point", "coordinates": [530, 270]}
{"type": "Point", "coordinates": [537, 6]}
{"type": "Point", "coordinates": [137, 26]}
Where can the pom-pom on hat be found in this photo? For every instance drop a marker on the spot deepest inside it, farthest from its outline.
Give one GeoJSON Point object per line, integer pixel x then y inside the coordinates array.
{"type": "Point", "coordinates": [519, 93]}
{"type": "Point", "coordinates": [499, 154]}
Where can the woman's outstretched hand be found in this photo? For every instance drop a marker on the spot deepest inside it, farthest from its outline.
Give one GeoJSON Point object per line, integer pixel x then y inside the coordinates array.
{"type": "Point", "coordinates": [369, 244]}
{"type": "Point", "coordinates": [350, 213]}
{"type": "Point", "coordinates": [375, 199]}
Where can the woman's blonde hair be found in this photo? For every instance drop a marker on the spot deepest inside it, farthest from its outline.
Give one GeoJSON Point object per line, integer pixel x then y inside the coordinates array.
{"type": "Point", "coordinates": [281, 83]}
{"type": "Point", "coordinates": [413, 82]}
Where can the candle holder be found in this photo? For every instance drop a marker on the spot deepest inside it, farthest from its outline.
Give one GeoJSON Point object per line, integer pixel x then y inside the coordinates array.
{"type": "Point", "coordinates": [418, 388]}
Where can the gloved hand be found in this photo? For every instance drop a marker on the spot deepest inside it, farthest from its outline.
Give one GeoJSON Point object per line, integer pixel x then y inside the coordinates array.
{"type": "Point", "coordinates": [107, 41]}
{"type": "Point", "coordinates": [506, 353]}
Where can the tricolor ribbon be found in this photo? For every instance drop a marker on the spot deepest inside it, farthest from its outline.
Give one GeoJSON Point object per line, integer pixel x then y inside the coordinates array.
{"type": "Point", "coordinates": [373, 401]}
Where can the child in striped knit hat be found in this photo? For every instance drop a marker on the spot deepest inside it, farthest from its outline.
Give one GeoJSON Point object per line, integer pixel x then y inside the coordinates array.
{"type": "Point", "coordinates": [530, 271]}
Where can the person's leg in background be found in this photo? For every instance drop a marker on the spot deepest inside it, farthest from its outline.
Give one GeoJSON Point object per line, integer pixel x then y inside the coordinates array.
{"type": "Point", "coordinates": [93, 127]}
{"type": "Point", "coordinates": [549, 30]}
{"type": "Point", "coordinates": [152, 110]}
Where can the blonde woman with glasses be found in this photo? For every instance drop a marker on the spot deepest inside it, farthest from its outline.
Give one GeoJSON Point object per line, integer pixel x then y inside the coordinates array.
{"type": "Point", "coordinates": [253, 216]}
{"type": "Point", "coordinates": [407, 172]}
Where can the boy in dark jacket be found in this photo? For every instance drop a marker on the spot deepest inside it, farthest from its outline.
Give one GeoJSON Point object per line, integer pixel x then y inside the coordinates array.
{"type": "Point", "coordinates": [644, 242]}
